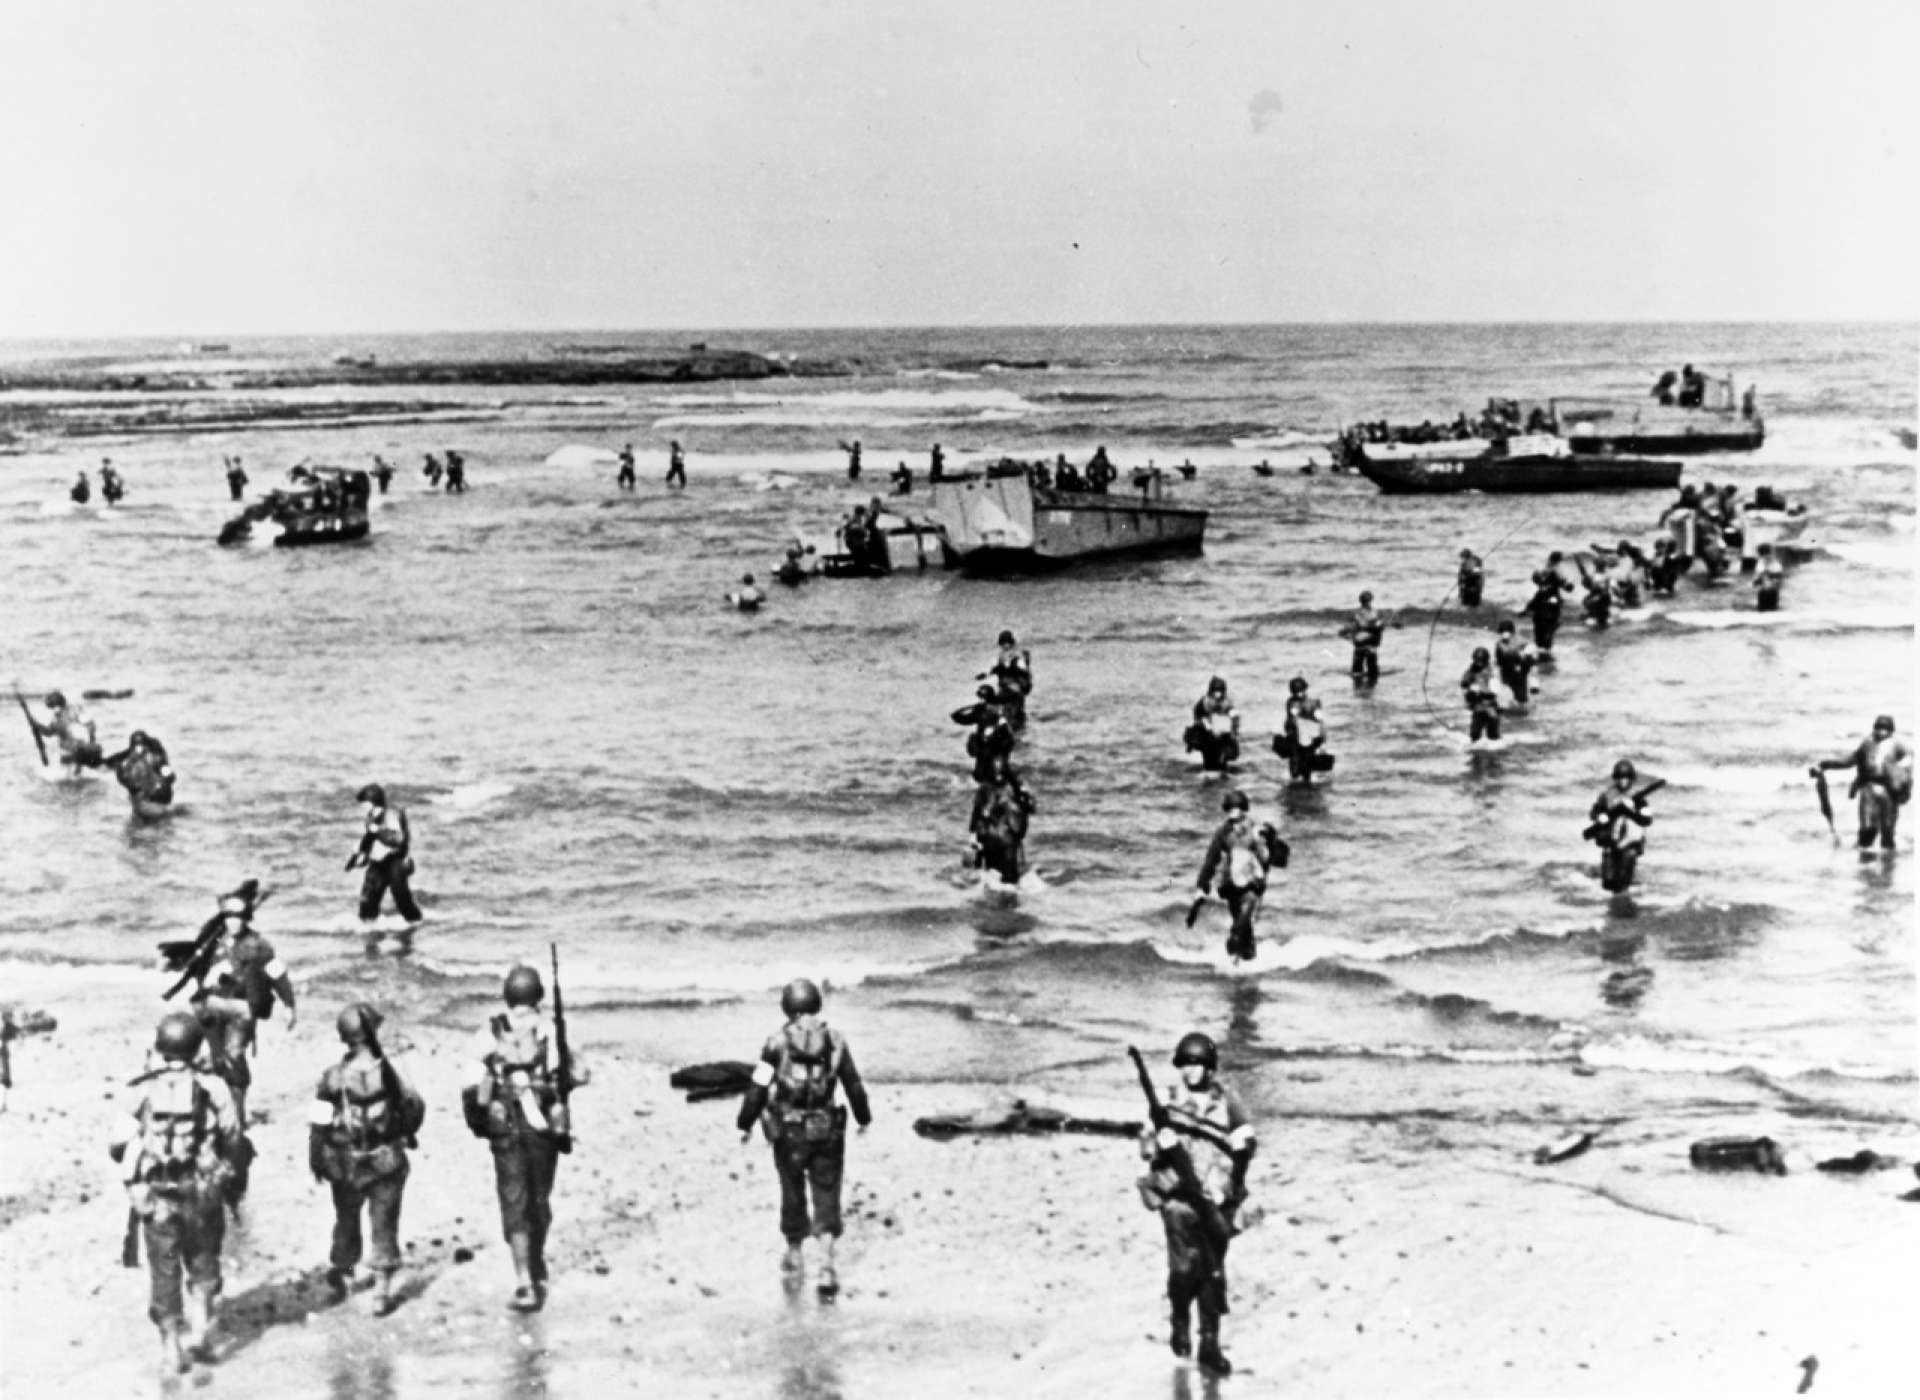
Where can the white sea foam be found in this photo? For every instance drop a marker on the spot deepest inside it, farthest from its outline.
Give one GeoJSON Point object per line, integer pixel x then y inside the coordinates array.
{"type": "Point", "coordinates": [1875, 619]}
{"type": "Point", "coordinates": [1686, 1057]}
{"type": "Point", "coordinates": [471, 796]}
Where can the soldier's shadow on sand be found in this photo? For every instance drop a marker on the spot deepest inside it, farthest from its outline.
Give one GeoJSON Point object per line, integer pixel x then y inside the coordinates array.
{"type": "Point", "coordinates": [288, 1302]}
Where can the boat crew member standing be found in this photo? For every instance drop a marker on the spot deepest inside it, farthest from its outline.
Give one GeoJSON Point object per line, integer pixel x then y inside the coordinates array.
{"type": "Point", "coordinates": [386, 850]}
{"type": "Point", "coordinates": [936, 463]}
{"type": "Point", "coordinates": [364, 1115]}
{"type": "Point", "coordinates": [852, 449]}
{"type": "Point", "coordinates": [81, 492]}
{"type": "Point", "coordinates": [802, 1066]}
{"type": "Point", "coordinates": [515, 1097]}
{"type": "Point", "coordinates": [1198, 1199]}
{"type": "Point", "coordinates": [173, 1143]}
{"type": "Point", "coordinates": [1883, 781]}
{"type": "Point", "coordinates": [1365, 629]}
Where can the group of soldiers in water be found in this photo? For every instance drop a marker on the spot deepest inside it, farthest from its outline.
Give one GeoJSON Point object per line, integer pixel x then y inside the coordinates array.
{"type": "Point", "coordinates": [113, 488]}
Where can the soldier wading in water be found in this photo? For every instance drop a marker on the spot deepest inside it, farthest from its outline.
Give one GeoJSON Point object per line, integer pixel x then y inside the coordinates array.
{"type": "Point", "coordinates": [1198, 1152]}
{"type": "Point", "coordinates": [515, 1097]}
{"type": "Point", "coordinates": [174, 1144]}
{"type": "Point", "coordinates": [800, 1067]}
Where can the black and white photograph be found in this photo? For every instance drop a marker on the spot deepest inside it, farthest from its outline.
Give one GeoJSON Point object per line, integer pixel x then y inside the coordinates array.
{"type": "Point", "coordinates": [1035, 698]}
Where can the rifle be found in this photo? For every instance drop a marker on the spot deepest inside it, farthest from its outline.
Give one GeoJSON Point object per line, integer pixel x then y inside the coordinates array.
{"type": "Point", "coordinates": [563, 1069]}
{"type": "Point", "coordinates": [1213, 1220]}
{"type": "Point", "coordinates": [1819, 776]}
{"type": "Point", "coordinates": [32, 724]}
{"type": "Point", "coordinates": [389, 1078]}
{"type": "Point", "coordinates": [1598, 827]}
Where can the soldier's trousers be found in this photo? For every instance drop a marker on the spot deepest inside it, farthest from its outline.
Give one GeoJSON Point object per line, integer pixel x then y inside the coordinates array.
{"type": "Point", "coordinates": [523, 1169]}
{"type": "Point", "coordinates": [381, 1198]}
{"type": "Point", "coordinates": [183, 1236]}
{"type": "Point", "coordinates": [809, 1165]}
{"type": "Point", "coordinates": [384, 875]}
{"type": "Point", "coordinates": [1196, 1267]}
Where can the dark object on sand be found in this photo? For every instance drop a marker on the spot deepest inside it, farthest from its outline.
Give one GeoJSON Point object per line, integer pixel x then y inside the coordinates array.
{"type": "Point", "coordinates": [1570, 1146]}
{"type": "Point", "coordinates": [1865, 1160]}
{"type": "Point", "coordinates": [1020, 1118]}
{"type": "Point", "coordinates": [1760, 1154]}
{"type": "Point", "coordinates": [719, 1080]}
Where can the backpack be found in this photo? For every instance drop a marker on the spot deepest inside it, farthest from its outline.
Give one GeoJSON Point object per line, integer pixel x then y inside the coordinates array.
{"type": "Point", "coordinates": [173, 1141]}
{"type": "Point", "coordinates": [809, 1066]}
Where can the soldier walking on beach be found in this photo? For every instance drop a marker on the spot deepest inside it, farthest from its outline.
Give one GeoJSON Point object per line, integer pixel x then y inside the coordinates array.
{"type": "Point", "coordinates": [515, 1097]}
{"type": "Point", "coordinates": [801, 1066]}
{"type": "Point", "coordinates": [363, 1118]}
{"type": "Point", "coordinates": [386, 850]}
{"type": "Point", "coordinates": [1197, 1181]}
{"type": "Point", "coordinates": [173, 1143]}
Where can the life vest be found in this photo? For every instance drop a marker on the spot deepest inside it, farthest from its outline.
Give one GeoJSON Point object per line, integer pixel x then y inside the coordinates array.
{"type": "Point", "coordinates": [176, 1141]}
{"type": "Point", "coordinates": [389, 837]}
{"type": "Point", "coordinates": [809, 1066]}
{"type": "Point", "coordinates": [1245, 868]}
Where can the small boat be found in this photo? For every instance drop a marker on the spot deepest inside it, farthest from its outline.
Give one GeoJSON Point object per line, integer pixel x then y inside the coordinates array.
{"type": "Point", "coordinates": [326, 505]}
{"type": "Point", "coordinates": [999, 521]}
{"type": "Point", "coordinates": [887, 544]}
{"type": "Point", "coordinates": [1712, 419]}
{"type": "Point", "coordinates": [1536, 463]}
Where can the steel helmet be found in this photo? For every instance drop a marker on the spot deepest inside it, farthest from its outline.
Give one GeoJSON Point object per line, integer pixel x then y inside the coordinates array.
{"type": "Point", "coordinates": [1235, 801]}
{"type": "Point", "coordinates": [1216, 685]}
{"type": "Point", "coordinates": [1480, 656]}
{"type": "Point", "coordinates": [523, 987]}
{"type": "Point", "coordinates": [1196, 1048]}
{"type": "Point", "coordinates": [800, 998]}
{"type": "Point", "coordinates": [358, 1022]}
{"type": "Point", "coordinates": [1298, 685]}
{"type": "Point", "coordinates": [178, 1036]}
{"type": "Point", "coordinates": [1006, 639]}
{"type": "Point", "coordinates": [1366, 597]}
{"type": "Point", "coordinates": [373, 793]}
{"type": "Point", "coordinates": [1883, 722]}
{"type": "Point", "coordinates": [1623, 769]}
{"type": "Point", "coordinates": [55, 700]}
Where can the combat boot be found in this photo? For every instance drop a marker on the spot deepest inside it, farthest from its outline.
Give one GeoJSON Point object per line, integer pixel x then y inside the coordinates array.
{"type": "Point", "coordinates": [173, 1356]}
{"type": "Point", "coordinates": [829, 1282]}
{"type": "Point", "coordinates": [197, 1338]}
{"type": "Point", "coordinates": [1211, 1358]}
{"type": "Point", "coordinates": [526, 1293]}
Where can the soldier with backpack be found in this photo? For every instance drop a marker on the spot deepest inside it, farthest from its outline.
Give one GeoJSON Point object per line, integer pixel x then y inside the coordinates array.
{"type": "Point", "coordinates": [515, 1097]}
{"type": "Point", "coordinates": [363, 1118]}
{"type": "Point", "coordinates": [174, 1144]}
{"type": "Point", "coordinates": [792, 1094]}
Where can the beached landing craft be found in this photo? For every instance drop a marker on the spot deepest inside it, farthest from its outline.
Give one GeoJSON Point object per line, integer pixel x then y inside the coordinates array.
{"type": "Point", "coordinates": [998, 521]}
{"type": "Point", "coordinates": [327, 505]}
{"type": "Point", "coordinates": [1536, 463]}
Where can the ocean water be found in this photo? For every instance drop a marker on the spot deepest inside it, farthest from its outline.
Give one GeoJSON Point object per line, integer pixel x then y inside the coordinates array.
{"type": "Point", "coordinates": [696, 805]}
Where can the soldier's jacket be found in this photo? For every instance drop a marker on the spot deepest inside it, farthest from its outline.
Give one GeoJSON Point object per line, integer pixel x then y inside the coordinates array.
{"type": "Point", "coordinates": [515, 1074]}
{"type": "Point", "coordinates": [176, 1136]}
{"type": "Point", "coordinates": [802, 1066]}
{"type": "Point", "coordinates": [1215, 1106]}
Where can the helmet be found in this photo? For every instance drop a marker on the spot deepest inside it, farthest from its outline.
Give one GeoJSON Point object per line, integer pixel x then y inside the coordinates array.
{"type": "Point", "coordinates": [1366, 596]}
{"type": "Point", "coordinates": [358, 1022]}
{"type": "Point", "coordinates": [1006, 639]}
{"type": "Point", "coordinates": [1297, 686]}
{"type": "Point", "coordinates": [1479, 655]}
{"type": "Point", "coordinates": [373, 793]}
{"type": "Point", "coordinates": [986, 692]}
{"type": "Point", "coordinates": [1196, 1048]}
{"type": "Point", "coordinates": [1235, 801]}
{"type": "Point", "coordinates": [1216, 685]}
{"type": "Point", "coordinates": [523, 987]}
{"type": "Point", "coordinates": [178, 1036]}
{"type": "Point", "coordinates": [800, 998]}
{"type": "Point", "coordinates": [55, 700]}
{"type": "Point", "coordinates": [1623, 769]}
{"type": "Point", "coordinates": [139, 739]}
{"type": "Point", "coordinates": [747, 579]}
{"type": "Point", "coordinates": [1883, 722]}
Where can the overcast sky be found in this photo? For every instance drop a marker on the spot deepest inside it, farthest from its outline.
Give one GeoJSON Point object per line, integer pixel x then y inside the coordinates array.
{"type": "Point", "coordinates": [342, 165]}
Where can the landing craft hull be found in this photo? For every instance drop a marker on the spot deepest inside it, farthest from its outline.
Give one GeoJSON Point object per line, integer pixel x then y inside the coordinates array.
{"type": "Point", "coordinates": [1000, 523]}
{"type": "Point", "coordinates": [1435, 476]}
